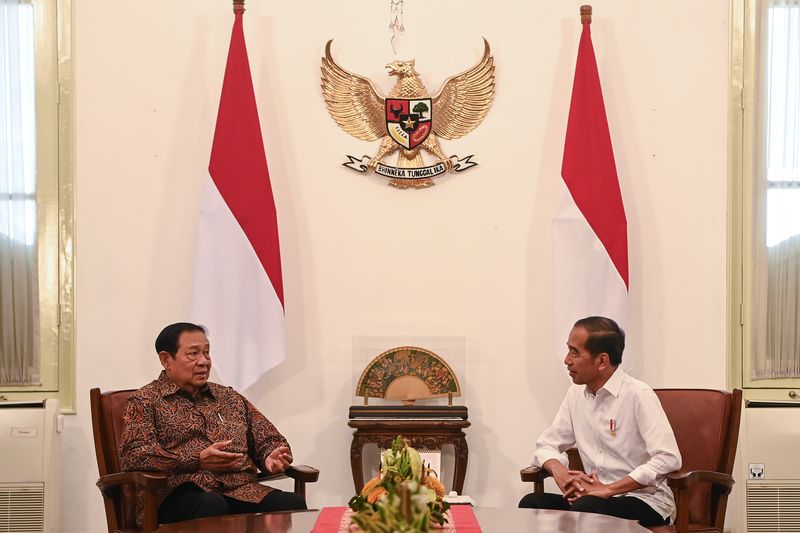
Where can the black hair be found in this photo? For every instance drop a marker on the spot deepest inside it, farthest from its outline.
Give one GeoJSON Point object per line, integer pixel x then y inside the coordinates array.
{"type": "Point", "coordinates": [167, 340]}
{"type": "Point", "coordinates": [605, 336]}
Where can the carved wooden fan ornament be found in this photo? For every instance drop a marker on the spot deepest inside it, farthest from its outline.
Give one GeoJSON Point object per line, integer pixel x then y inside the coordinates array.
{"type": "Point", "coordinates": [408, 373]}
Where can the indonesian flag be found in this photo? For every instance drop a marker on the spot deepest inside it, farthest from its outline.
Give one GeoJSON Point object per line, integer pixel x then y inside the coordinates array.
{"type": "Point", "coordinates": [238, 285]}
{"type": "Point", "coordinates": [590, 231]}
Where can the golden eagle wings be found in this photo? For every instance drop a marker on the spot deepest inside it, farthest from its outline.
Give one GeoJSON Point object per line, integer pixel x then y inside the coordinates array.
{"type": "Point", "coordinates": [352, 100]}
{"type": "Point", "coordinates": [464, 99]}
{"type": "Point", "coordinates": [460, 106]}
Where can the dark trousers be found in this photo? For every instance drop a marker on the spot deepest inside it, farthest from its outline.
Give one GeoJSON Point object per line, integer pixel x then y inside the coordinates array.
{"type": "Point", "coordinates": [620, 506]}
{"type": "Point", "coordinates": [189, 501]}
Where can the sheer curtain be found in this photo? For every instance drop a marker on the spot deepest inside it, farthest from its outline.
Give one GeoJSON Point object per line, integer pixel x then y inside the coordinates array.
{"type": "Point", "coordinates": [777, 269]}
{"type": "Point", "coordinates": [19, 309]}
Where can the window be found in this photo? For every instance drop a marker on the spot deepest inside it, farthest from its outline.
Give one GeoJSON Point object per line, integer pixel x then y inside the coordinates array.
{"type": "Point", "coordinates": [36, 214]}
{"type": "Point", "coordinates": [770, 194]}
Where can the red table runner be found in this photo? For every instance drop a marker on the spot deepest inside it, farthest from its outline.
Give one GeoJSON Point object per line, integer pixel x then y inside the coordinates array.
{"type": "Point", "coordinates": [464, 519]}
{"type": "Point", "coordinates": [337, 520]}
{"type": "Point", "coordinates": [328, 520]}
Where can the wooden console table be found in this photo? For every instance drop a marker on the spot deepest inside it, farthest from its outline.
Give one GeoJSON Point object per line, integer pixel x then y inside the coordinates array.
{"type": "Point", "coordinates": [429, 434]}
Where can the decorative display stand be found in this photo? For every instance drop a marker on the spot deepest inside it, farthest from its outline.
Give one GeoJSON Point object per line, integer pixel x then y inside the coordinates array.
{"type": "Point", "coordinates": [430, 434]}
{"type": "Point", "coordinates": [408, 374]}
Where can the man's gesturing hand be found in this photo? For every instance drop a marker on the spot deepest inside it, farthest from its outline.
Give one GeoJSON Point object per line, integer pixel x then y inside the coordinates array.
{"type": "Point", "coordinates": [278, 460]}
{"type": "Point", "coordinates": [216, 459]}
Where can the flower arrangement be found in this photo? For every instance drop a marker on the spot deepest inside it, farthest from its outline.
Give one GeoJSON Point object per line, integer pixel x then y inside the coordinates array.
{"type": "Point", "coordinates": [406, 497]}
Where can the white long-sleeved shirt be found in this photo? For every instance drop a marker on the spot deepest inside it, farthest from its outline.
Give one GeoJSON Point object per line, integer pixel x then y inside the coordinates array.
{"type": "Point", "coordinates": [619, 431]}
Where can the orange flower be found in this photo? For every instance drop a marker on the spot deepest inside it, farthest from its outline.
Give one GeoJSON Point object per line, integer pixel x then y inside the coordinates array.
{"type": "Point", "coordinates": [375, 495]}
{"type": "Point", "coordinates": [370, 485]}
{"type": "Point", "coordinates": [432, 482]}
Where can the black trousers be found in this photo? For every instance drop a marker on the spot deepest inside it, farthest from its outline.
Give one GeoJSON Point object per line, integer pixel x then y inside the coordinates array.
{"type": "Point", "coordinates": [620, 506]}
{"type": "Point", "coordinates": [189, 501]}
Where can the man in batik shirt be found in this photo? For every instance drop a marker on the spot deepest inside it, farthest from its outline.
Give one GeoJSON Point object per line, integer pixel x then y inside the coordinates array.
{"type": "Point", "coordinates": [208, 438]}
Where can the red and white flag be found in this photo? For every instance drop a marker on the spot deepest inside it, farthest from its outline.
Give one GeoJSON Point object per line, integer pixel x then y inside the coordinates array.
{"type": "Point", "coordinates": [590, 231]}
{"type": "Point", "coordinates": [238, 285]}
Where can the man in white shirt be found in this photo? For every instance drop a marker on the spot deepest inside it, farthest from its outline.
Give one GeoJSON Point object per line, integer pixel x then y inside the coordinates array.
{"type": "Point", "coordinates": [619, 427]}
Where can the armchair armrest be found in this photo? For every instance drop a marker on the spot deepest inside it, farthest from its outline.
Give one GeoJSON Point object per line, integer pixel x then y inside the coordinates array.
{"type": "Point", "coordinates": [301, 474]}
{"type": "Point", "coordinates": [680, 482]}
{"type": "Point", "coordinates": [304, 473]}
{"type": "Point", "coordinates": [148, 481]}
{"type": "Point", "coordinates": [536, 475]}
{"type": "Point", "coordinates": [683, 480]}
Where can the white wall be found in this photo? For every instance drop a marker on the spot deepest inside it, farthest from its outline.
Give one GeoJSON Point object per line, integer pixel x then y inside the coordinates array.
{"type": "Point", "coordinates": [469, 257]}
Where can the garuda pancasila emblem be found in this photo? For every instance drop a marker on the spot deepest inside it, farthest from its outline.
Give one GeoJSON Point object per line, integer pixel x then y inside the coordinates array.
{"type": "Point", "coordinates": [409, 120]}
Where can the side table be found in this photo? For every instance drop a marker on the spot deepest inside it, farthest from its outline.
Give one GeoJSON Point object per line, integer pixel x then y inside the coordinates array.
{"type": "Point", "coordinates": [429, 434]}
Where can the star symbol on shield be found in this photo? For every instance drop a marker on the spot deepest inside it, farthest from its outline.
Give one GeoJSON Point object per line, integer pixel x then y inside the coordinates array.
{"type": "Point", "coordinates": [409, 123]}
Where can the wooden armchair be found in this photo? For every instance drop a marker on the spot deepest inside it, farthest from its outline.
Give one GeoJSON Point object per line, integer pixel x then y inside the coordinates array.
{"type": "Point", "coordinates": [119, 488]}
{"type": "Point", "coordinates": [706, 426]}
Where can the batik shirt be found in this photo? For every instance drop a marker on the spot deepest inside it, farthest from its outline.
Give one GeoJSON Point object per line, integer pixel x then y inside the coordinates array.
{"type": "Point", "coordinates": [166, 429]}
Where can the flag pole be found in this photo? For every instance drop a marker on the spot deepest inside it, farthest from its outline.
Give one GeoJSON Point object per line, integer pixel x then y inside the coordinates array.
{"type": "Point", "coordinates": [238, 215]}
{"type": "Point", "coordinates": [586, 13]}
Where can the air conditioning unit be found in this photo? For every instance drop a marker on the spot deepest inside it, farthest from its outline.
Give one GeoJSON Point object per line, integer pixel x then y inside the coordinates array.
{"type": "Point", "coordinates": [29, 467]}
{"type": "Point", "coordinates": [771, 460]}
